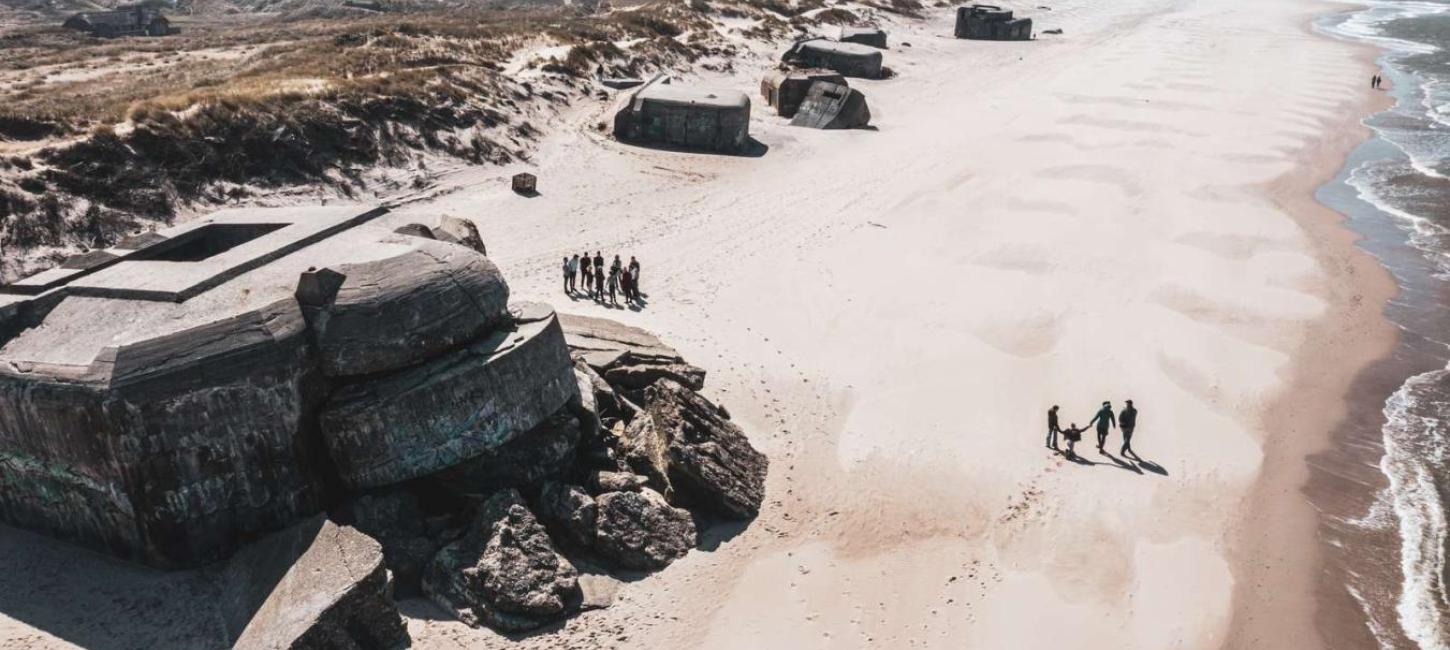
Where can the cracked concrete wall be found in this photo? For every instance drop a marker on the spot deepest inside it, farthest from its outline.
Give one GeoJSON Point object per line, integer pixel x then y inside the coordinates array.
{"type": "Point", "coordinates": [400, 310]}
{"type": "Point", "coordinates": [171, 462]}
{"type": "Point", "coordinates": [437, 415]}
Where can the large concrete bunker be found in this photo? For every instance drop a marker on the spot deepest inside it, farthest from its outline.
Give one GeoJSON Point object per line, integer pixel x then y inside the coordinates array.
{"type": "Point", "coordinates": [850, 59]}
{"type": "Point", "coordinates": [694, 118]}
{"type": "Point", "coordinates": [179, 393]}
{"type": "Point", "coordinates": [991, 23]}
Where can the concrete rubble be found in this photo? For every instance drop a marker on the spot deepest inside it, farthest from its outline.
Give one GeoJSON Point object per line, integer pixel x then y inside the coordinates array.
{"type": "Point", "coordinates": [313, 585]}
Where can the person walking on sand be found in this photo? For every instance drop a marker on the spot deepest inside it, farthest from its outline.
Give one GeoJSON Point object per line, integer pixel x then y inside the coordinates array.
{"type": "Point", "coordinates": [613, 285]}
{"type": "Point", "coordinates": [567, 289]}
{"type": "Point", "coordinates": [588, 274]}
{"type": "Point", "coordinates": [634, 274]}
{"type": "Point", "coordinates": [1127, 421]}
{"type": "Point", "coordinates": [626, 283]}
{"type": "Point", "coordinates": [1103, 420]}
{"type": "Point", "coordinates": [599, 274]}
{"type": "Point", "coordinates": [572, 274]}
{"type": "Point", "coordinates": [1052, 428]}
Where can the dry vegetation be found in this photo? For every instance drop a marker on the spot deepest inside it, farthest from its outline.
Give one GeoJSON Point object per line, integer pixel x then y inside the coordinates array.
{"type": "Point", "coordinates": [106, 136]}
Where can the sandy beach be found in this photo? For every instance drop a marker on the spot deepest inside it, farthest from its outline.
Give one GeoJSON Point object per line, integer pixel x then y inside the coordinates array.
{"type": "Point", "coordinates": [1123, 212]}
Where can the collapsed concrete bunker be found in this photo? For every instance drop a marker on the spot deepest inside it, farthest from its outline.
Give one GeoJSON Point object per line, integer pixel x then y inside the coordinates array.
{"type": "Point", "coordinates": [832, 106]}
{"type": "Point", "coordinates": [693, 118]}
{"type": "Point", "coordinates": [815, 98]}
{"type": "Point", "coordinates": [850, 59]}
{"type": "Point", "coordinates": [171, 397]}
{"type": "Point", "coordinates": [786, 89]}
{"type": "Point", "coordinates": [991, 23]}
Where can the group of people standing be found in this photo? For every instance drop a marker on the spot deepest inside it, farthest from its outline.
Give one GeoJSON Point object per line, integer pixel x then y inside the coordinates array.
{"type": "Point", "coordinates": [1126, 422]}
{"type": "Point", "coordinates": [602, 283]}
{"type": "Point", "coordinates": [1376, 82]}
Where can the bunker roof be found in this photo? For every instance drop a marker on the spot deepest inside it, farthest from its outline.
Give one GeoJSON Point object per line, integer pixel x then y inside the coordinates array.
{"type": "Point", "coordinates": [841, 49]}
{"type": "Point", "coordinates": [691, 96]}
{"type": "Point", "coordinates": [229, 267]}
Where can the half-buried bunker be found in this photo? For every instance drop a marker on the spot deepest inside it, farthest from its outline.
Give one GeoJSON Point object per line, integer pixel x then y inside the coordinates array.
{"type": "Point", "coordinates": [991, 23]}
{"type": "Point", "coordinates": [682, 116]}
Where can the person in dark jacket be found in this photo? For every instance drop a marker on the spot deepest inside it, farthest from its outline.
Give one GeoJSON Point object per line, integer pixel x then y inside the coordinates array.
{"type": "Point", "coordinates": [1052, 427]}
{"type": "Point", "coordinates": [1127, 421]}
{"type": "Point", "coordinates": [626, 283]}
{"type": "Point", "coordinates": [586, 265]}
{"type": "Point", "coordinates": [599, 275]}
{"type": "Point", "coordinates": [1103, 420]}
{"type": "Point", "coordinates": [634, 274]}
{"type": "Point", "coordinates": [1072, 434]}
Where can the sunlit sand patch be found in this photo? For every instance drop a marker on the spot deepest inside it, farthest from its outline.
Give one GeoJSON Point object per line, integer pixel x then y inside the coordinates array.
{"type": "Point", "coordinates": [1029, 336]}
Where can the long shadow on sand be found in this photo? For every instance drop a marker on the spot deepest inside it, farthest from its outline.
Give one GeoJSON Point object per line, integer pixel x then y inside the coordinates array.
{"type": "Point", "coordinates": [1148, 464]}
{"type": "Point", "coordinates": [1133, 462]}
{"type": "Point", "coordinates": [1117, 462]}
{"type": "Point", "coordinates": [753, 149]}
{"type": "Point", "coordinates": [95, 601]}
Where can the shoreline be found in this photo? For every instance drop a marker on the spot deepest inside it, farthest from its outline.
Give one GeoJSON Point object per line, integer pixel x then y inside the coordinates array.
{"type": "Point", "coordinates": [1341, 364]}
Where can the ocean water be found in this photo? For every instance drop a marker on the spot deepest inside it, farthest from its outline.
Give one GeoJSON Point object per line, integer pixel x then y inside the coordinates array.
{"type": "Point", "coordinates": [1396, 191]}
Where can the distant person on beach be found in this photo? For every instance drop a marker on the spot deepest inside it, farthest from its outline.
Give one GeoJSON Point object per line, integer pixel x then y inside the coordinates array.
{"type": "Point", "coordinates": [634, 273]}
{"type": "Point", "coordinates": [568, 277]}
{"type": "Point", "coordinates": [599, 275]}
{"type": "Point", "coordinates": [1072, 434]}
{"type": "Point", "coordinates": [573, 274]}
{"type": "Point", "coordinates": [626, 283]}
{"type": "Point", "coordinates": [588, 273]}
{"type": "Point", "coordinates": [613, 285]}
{"type": "Point", "coordinates": [1052, 428]}
{"type": "Point", "coordinates": [1127, 420]}
{"type": "Point", "coordinates": [1103, 420]}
